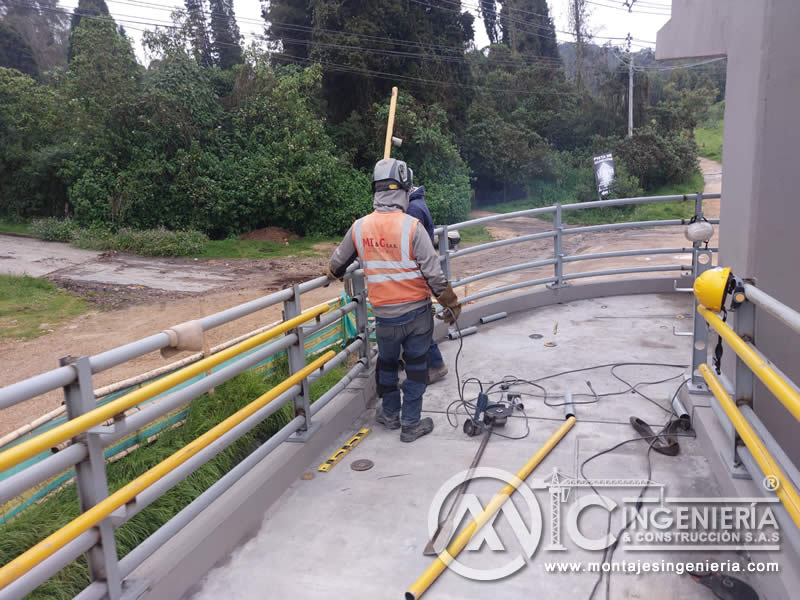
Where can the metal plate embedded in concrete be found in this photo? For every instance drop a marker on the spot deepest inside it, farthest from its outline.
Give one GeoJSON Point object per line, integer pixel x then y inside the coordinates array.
{"type": "Point", "coordinates": [362, 464]}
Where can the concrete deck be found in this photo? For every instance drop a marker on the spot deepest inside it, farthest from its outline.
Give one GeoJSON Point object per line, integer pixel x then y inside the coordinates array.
{"type": "Point", "coordinates": [361, 534]}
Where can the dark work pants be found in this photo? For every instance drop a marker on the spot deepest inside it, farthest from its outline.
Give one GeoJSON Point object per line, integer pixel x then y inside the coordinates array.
{"type": "Point", "coordinates": [412, 333]}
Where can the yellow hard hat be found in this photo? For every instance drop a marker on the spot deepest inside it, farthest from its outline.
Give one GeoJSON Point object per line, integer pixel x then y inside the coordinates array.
{"type": "Point", "coordinates": [711, 288]}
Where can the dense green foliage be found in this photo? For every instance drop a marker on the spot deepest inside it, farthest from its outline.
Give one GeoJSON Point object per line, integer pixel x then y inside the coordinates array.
{"type": "Point", "coordinates": [217, 139]}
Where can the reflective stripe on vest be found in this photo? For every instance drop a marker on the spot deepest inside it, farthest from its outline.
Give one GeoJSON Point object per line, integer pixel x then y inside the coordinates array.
{"type": "Point", "coordinates": [384, 242]}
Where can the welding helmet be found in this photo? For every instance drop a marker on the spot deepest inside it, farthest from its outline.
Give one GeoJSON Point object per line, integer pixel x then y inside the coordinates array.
{"type": "Point", "coordinates": [712, 287]}
{"type": "Point", "coordinates": [391, 174]}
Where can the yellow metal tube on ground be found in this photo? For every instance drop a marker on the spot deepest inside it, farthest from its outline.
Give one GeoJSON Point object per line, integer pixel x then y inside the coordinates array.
{"type": "Point", "coordinates": [775, 383]}
{"type": "Point", "coordinates": [387, 149]}
{"type": "Point", "coordinates": [29, 559]}
{"type": "Point", "coordinates": [462, 539]}
{"type": "Point", "coordinates": [785, 491]}
{"type": "Point", "coordinates": [49, 439]}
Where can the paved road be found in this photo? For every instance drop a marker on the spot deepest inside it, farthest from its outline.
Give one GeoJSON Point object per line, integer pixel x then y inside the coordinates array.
{"type": "Point", "coordinates": [28, 256]}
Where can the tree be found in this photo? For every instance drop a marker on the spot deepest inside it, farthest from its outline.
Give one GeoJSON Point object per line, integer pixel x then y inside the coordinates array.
{"type": "Point", "coordinates": [88, 8]}
{"type": "Point", "coordinates": [16, 53]}
{"type": "Point", "coordinates": [528, 29]}
{"type": "Point", "coordinates": [289, 25]}
{"type": "Point", "coordinates": [33, 133]}
{"type": "Point", "coordinates": [95, 10]}
{"type": "Point", "coordinates": [488, 11]}
{"type": "Point", "coordinates": [198, 32]}
{"type": "Point", "coordinates": [578, 14]}
{"type": "Point", "coordinates": [427, 54]}
{"type": "Point", "coordinates": [227, 51]}
{"type": "Point", "coordinates": [43, 26]}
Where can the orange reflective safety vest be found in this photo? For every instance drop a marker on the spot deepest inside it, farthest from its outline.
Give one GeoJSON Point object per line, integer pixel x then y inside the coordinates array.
{"type": "Point", "coordinates": [384, 241]}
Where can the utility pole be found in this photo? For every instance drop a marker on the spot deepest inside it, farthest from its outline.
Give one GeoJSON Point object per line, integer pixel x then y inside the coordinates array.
{"type": "Point", "coordinates": [630, 88]}
{"type": "Point", "coordinates": [578, 8]}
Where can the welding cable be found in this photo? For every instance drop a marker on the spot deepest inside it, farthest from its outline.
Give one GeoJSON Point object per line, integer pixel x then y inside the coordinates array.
{"type": "Point", "coordinates": [608, 553]}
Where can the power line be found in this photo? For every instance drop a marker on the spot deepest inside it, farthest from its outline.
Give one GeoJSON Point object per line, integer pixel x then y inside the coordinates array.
{"type": "Point", "coordinates": [367, 72]}
{"type": "Point", "coordinates": [629, 9]}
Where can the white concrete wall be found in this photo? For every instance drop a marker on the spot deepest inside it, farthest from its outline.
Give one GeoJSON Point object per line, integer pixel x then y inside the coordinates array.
{"type": "Point", "coordinates": [760, 231]}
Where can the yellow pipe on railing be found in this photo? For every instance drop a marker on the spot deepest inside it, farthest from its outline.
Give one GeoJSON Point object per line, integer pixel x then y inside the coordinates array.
{"type": "Point", "coordinates": [775, 383]}
{"type": "Point", "coordinates": [49, 439]}
{"type": "Point", "coordinates": [462, 539]}
{"type": "Point", "coordinates": [29, 559]}
{"type": "Point", "coordinates": [785, 491]}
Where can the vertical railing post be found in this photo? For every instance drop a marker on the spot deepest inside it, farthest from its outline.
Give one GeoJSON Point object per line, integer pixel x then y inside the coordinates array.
{"type": "Point", "coordinates": [297, 361]}
{"type": "Point", "coordinates": [362, 317]}
{"type": "Point", "coordinates": [745, 327]}
{"type": "Point", "coordinates": [444, 251]}
{"type": "Point", "coordinates": [90, 477]}
{"type": "Point", "coordinates": [558, 249]}
{"type": "Point", "coordinates": [701, 262]}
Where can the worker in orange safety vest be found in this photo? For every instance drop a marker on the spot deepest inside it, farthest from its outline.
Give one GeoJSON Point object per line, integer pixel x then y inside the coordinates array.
{"type": "Point", "coordinates": [402, 270]}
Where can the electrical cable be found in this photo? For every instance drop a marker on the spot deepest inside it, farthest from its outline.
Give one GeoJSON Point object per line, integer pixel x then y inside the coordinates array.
{"type": "Point", "coordinates": [608, 552]}
{"type": "Point", "coordinates": [469, 407]}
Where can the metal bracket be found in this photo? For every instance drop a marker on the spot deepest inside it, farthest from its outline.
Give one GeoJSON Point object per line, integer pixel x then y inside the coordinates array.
{"type": "Point", "coordinates": [305, 434]}
{"type": "Point", "coordinates": [697, 388]}
{"type": "Point", "coordinates": [681, 333]}
{"type": "Point", "coordinates": [134, 589]}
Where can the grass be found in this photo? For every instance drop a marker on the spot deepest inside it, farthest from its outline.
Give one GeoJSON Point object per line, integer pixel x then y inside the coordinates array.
{"type": "Point", "coordinates": [236, 248]}
{"type": "Point", "coordinates": [42, 519]}
{"type": "Point", "coordinates": [596, 216]}
{"type": "Point", "coordinates": [26, 304]}
{"type": "Point", "coordinates": [475, 235]}
{"type": "Point", "coordinates": [15, 226]}
{"type": "Point", "coordinates": [709, 140]}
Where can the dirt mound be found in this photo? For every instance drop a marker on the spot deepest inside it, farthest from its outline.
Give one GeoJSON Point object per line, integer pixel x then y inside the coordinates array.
{"type": "Point", "coordinates": [270, 234]}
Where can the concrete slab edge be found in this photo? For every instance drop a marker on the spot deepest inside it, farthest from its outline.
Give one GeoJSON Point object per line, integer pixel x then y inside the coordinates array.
{"type": "Point", "coordinates": [173, 570]}
{"type": "Point", "coordinates": [545, 296]}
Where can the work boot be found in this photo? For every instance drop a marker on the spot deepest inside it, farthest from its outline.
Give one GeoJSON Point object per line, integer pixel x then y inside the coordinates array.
{"type": "Point", "coordinates": [417, 430]}
{"type": "Point", "coordinates": [388, 421]}
{"type": "Point", "coordinates": [437, 374]}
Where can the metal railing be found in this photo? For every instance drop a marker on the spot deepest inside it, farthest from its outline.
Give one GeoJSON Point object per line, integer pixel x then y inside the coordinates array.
{"type": "Point", "coordinates": [751, 450]}
{"type": "Point", "coordinates": [93, 532]}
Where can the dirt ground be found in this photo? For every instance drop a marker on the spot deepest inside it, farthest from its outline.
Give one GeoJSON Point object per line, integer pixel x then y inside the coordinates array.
{"type": "Point", "coordinates": [134, 296]}
{"type": "Point", "coordinates": [579, 243]}
{"type": "Point", "coordinates": [270, 234]}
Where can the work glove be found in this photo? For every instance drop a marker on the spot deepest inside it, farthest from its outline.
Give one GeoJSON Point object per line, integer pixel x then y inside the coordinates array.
{"type": "Point", "coordinates": [329, 274]}
{"type": "Point", "coordinates": [451, 307]}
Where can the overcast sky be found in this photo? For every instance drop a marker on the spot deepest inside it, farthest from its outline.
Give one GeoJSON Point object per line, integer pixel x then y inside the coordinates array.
{"type": "Point", "coordinates": [607, 18]}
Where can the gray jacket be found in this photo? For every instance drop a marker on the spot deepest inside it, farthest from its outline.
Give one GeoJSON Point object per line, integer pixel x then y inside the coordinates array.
{"type": "Point", "coordinates": [424, 254]}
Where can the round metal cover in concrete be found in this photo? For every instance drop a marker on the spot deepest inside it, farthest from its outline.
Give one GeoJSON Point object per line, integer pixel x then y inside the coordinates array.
{"type": "Point", "coordinates": [362, 464]}
{"type": "Point", "coordinates": [536, 336]}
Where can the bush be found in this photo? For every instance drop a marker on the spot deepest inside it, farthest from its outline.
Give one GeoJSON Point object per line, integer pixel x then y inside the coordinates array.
{"type": "Point", "coordinates": [655, 159]}
{"type": "Point", "coordinates": [160, 242]}
{"type": "Point", "coordinates": [148, 242]}
{"type": "Point", "coordinates": [52, 229]}
{"type": "Point", "coordinates": [93, 238]}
